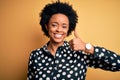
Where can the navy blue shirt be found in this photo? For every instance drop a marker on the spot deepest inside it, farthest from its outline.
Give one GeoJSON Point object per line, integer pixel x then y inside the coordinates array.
{"type": "Point", "coordinates": [68, 64]}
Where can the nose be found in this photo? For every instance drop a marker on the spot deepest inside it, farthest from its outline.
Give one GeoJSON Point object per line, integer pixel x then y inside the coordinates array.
{"type": "Point", "coordinates": [59, 28]}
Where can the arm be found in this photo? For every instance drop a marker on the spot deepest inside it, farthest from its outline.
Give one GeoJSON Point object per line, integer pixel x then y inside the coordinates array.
{"type": "Point", "coordinates": [31, 71]}
{"type": "Point", "coordinates": [104, 59]}
{"type": "Point", "coordinates": [97, 57]}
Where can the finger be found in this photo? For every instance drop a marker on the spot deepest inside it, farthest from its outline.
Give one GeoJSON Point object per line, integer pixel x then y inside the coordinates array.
{"type": "Point", "coordinates": [76, 34]}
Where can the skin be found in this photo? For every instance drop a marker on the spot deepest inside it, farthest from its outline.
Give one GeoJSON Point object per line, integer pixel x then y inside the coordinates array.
{"type": "Point", "coordinates": [58, 27]}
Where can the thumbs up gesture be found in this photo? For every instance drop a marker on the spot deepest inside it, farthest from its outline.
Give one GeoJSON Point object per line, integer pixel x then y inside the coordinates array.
{"type": "Point", "coordinates": [78, 45]}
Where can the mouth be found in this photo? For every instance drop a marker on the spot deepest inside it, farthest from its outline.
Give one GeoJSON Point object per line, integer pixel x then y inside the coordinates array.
{"type": "Point", "coordinates": [58, 35]}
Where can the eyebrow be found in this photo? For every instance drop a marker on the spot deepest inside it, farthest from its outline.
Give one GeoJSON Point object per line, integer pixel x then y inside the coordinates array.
{"type": "Point", "coordinates": [62, 23]}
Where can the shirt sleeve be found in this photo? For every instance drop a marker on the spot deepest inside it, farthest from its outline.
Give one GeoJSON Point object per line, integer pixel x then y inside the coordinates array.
{"type": "Point", "coordinates": [31, 71]}
{"type": "Point", "coordinates": [104, 59]}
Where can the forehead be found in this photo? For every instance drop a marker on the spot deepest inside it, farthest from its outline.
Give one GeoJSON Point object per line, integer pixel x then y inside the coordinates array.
{"type": "Point", "coordinates": [61, 18]}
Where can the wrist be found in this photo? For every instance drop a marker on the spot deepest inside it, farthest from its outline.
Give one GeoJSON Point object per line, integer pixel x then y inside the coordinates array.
{"type": "Point", "coordinates": [89, 48]}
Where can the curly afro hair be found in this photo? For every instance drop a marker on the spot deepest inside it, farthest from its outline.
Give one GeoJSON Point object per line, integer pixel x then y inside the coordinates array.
{"type": "Point", "coordinates": [58, 7]}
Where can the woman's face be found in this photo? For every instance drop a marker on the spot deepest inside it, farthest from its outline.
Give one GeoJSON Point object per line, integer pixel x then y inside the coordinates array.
{"type": "Point", "coordinates": [58, 27]}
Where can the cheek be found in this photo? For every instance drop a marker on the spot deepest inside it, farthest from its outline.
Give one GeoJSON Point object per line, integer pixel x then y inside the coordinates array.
{"type": "Point", "coordinates": [50, 29]}
{"type": "Point", "coordinates": [66, 32]}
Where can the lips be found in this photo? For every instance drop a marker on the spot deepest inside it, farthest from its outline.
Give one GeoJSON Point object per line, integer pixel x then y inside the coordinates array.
{"type": "Point", "coordinates": [58, 35]}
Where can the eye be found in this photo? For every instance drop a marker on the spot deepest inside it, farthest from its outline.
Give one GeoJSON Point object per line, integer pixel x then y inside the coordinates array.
{"type": "Point", "coordinates": [53, 25]}
{"type": "Point", "coordinates": [64, 26]}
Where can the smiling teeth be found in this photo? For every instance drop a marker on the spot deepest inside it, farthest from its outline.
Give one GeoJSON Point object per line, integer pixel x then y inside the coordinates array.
{"type": "Point", "coordinates": [58, 35]}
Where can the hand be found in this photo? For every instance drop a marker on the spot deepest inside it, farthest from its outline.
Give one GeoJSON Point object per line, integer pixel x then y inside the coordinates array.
{"type": "Point", "coordinates": [76, 43]}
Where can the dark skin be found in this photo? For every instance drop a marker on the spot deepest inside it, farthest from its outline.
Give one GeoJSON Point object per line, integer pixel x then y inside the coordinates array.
{"type": "Point", "coordinates": [58, 27]}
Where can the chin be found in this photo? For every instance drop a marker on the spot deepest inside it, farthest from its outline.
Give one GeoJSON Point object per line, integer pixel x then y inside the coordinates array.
{"type": "Point", "coordinates": [58, 41]}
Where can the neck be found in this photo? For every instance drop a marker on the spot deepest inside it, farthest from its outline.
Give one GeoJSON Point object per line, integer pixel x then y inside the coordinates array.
{"type": "Point", "coordinates": [53, 46]}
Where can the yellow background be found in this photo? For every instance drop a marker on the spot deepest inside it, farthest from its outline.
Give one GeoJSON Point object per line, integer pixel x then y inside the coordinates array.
{"type": "Point", "coordinates": [20, 33]}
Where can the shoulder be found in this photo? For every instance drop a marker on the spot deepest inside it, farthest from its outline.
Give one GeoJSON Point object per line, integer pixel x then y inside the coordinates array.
{"type": "Point", "coordinates": [36, 52]}
{"type": "Point", "coordinates": [39, 50]}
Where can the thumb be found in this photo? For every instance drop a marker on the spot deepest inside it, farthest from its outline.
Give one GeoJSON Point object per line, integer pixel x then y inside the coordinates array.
{"type": "Point", "coordinates": [76, 34]}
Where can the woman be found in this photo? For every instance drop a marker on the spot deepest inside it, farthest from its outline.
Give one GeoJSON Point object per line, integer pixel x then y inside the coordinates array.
{"type": "Point", "coordinates": [62, 60]}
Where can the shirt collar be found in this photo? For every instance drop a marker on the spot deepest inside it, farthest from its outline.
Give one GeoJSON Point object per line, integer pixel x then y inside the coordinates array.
{"type": "Point", "coordinates": [65, 44]}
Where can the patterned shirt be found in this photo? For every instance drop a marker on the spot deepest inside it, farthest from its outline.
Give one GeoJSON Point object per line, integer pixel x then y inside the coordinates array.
{"type": "Point", "coordinates": [68, 64]}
